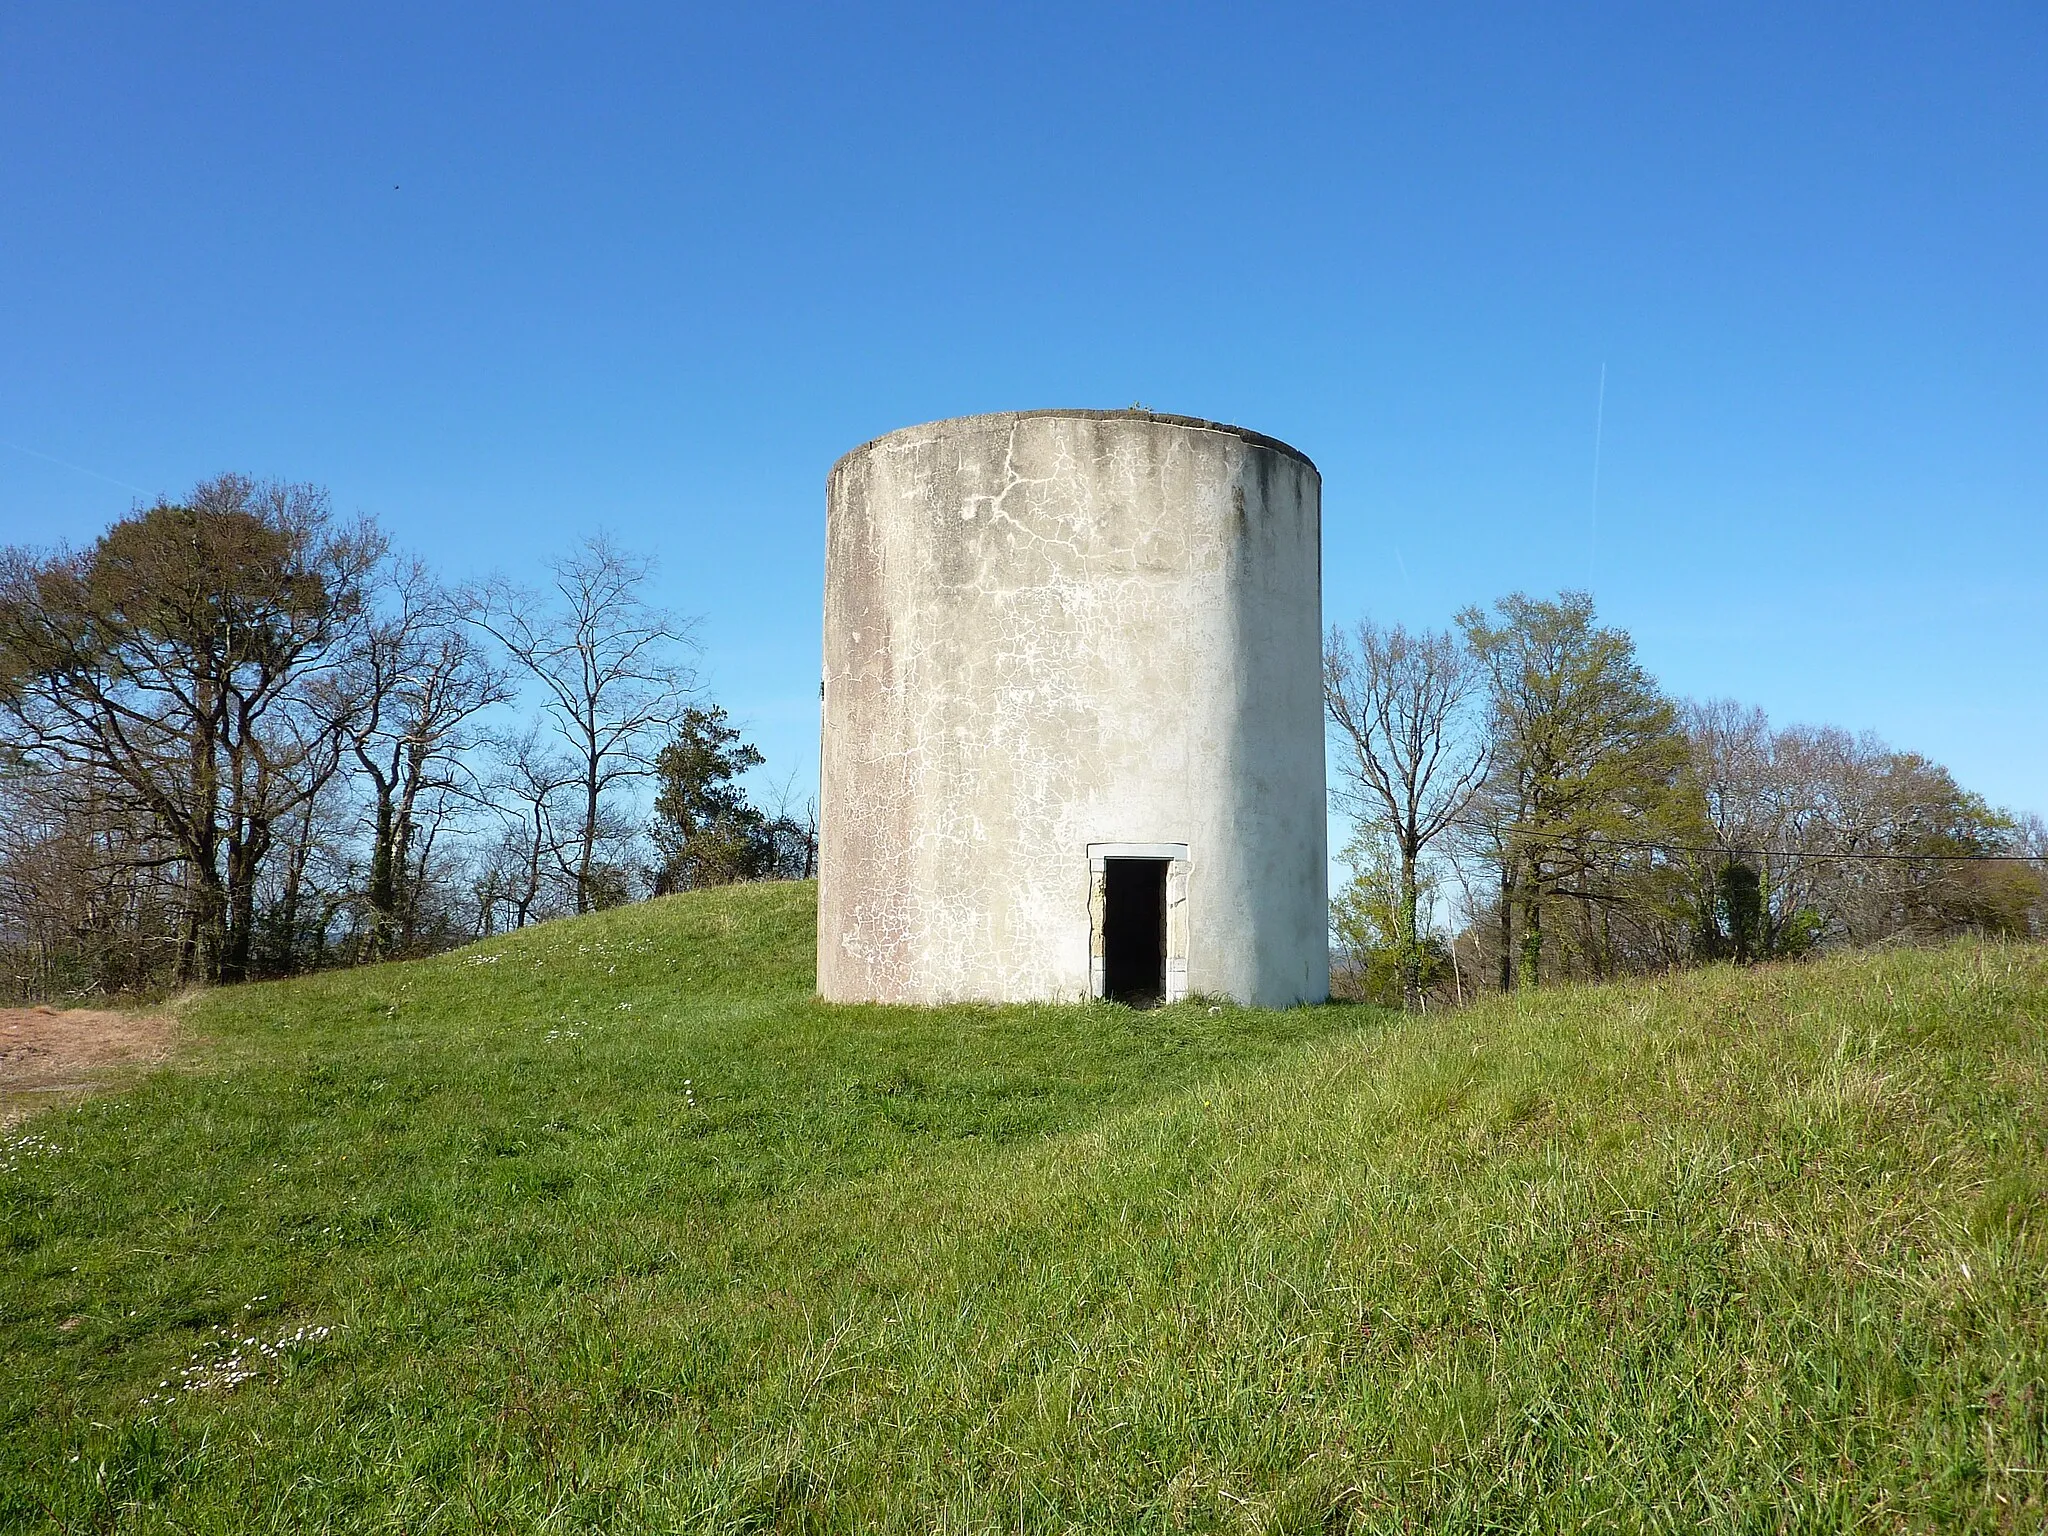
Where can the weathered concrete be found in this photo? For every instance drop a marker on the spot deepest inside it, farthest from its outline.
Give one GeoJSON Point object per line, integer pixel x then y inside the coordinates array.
{"type": "Point", "coordinates": [1051, 631]}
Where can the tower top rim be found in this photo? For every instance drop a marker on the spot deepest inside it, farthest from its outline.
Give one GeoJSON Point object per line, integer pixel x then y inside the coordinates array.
{"type": "Point", "coordinates": [1156, 418]}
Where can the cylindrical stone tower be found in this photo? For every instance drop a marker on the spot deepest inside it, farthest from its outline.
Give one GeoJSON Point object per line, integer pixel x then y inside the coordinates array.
{"type": "Point", "coordinates": [1073, 739]}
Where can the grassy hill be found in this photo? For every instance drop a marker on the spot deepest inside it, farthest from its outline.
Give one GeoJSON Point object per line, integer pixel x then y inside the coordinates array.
{"type": "Point", "coordinates": [610, 1225]}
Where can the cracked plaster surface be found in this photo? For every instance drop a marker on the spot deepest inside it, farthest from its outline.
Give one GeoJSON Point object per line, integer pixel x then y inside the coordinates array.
{"type": "Point", "coordinates": [1049, 630]}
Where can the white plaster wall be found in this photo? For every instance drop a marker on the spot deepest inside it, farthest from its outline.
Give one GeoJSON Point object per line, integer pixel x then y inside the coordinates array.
{"type": "Point", "coordinates": [1045, 630]}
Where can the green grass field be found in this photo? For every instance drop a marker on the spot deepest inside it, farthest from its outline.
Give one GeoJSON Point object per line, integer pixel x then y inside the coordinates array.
{"type": "Point", "coordinates": [611, 1226]}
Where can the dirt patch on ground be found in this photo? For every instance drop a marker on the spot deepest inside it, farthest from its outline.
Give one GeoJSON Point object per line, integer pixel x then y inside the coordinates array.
{"type": "Point", "coordinates": [50, 1056]}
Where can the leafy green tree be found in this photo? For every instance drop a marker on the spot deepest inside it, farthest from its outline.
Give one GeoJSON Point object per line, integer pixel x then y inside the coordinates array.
{"type": "Point", "coordinates": [1960, 869]}
{"type": "Point", "coordinates": [1589, 768]}
{"type": "Point", "coordinates": [704, 828]}
{"type": "Point", "coordinates": [1384, 954]}
{"type": "Point", "coordinates": [1741, 910]}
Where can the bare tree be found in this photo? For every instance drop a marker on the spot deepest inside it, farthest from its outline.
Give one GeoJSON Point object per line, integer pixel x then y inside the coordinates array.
{"type": "Point", "coordinates": [1400, 706]}
{"type": "Point", "coordinates": [1848, 840]}
{"type": "Point", "coordinates": [611, 675]}
{"type": "Point", "coordinates": [420, 679]}
{"type": "Point", "coordinates": [528, 792]}
{"type": "Point", "coordinates": [794, 825]}
{"type": "Point", "coordinates": [91, 893]}
{"type": "Point", "coordinates": [2031, 841]}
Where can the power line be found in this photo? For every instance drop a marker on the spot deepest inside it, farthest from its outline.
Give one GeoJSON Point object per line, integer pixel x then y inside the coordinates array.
{"type": "Point", "coordinates": [1556, 840]}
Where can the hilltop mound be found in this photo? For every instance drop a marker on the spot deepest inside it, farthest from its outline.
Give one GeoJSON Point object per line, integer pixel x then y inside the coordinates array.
{"type": "Point", "coordinates": [610, 1224]}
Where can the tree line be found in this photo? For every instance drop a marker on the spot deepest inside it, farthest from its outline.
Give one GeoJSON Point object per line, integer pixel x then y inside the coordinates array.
{"type": "Point", "coordinates": [243, 737]}
{"type": "Point", "coordinates": [1528, 806]}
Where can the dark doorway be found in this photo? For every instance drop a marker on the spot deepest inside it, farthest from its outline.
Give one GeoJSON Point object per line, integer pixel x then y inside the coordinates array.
{"type": "Point", "coordinates": [1134, 931]}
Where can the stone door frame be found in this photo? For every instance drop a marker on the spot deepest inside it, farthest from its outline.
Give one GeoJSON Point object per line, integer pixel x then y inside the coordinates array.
{"type": "Point", "coordinates": [1177, 871]}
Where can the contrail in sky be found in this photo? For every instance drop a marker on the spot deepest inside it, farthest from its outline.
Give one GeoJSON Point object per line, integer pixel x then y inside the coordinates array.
{"type": "Point", "coordinates": [1599, 422]}
{"type": "Point", "coordinates": [50, 458]}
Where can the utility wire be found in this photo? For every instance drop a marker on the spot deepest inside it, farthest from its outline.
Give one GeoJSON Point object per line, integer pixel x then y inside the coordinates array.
{"type": "Point", "coordinates": [1558, 840]}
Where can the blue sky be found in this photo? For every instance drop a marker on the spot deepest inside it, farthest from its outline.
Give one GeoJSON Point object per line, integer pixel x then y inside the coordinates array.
{"type": "Point", "coordinates": [500, 275]}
